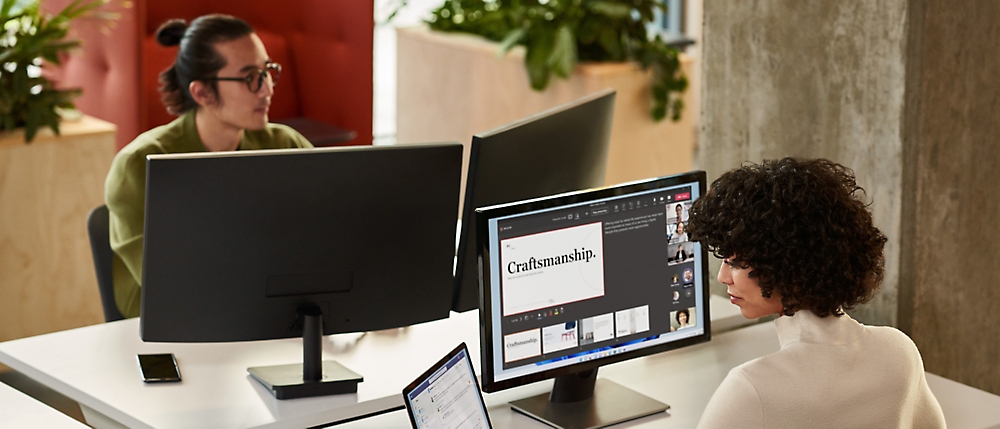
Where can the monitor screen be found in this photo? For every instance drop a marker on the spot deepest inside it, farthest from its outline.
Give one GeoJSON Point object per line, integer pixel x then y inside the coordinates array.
{"type": "Point", "coordinates": [236, 243]}
{"type": "Point", "coordinates": [559, 150]}
{"type": "Point", "coordinates": [447, 395]}
{"type": "Point", "coordinates": [581, 280]}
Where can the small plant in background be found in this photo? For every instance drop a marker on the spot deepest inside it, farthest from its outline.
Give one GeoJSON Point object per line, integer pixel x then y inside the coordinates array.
{"type": "Point", "coordinates": [560, 33]}
{"type": "Point", "coordinates": [27, 37]}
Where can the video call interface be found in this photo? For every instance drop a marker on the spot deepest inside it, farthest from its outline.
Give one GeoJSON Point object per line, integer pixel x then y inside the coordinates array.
{"type": "Point", "coordinates": [583, 282]}
{"type": "Point", "coordinates": [449, 398]}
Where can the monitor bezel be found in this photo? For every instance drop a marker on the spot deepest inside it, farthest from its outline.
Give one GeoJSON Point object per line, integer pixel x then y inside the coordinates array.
{"type": "Point", "coordinates": [483, 215]}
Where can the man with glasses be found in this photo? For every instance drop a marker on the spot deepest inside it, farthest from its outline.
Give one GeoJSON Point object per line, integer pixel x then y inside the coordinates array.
{"type": "Point", "coordinates": [220, 85]}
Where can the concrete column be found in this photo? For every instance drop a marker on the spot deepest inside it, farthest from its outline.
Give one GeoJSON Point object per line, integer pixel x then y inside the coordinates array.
{"type": "Point", "coordinates": [949, 299]}
{"type": "Point", "coordinates": [905, 93]}
{"type": "Point", "coordinates": [823, 79]}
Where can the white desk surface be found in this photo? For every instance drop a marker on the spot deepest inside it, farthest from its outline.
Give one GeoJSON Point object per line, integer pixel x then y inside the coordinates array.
{"type": "Point", "coordinates": [686, 378]}
{"type": "Point", "coordinates": [18, 410]}
{"type": "Point", "coordinates": [96, 366]}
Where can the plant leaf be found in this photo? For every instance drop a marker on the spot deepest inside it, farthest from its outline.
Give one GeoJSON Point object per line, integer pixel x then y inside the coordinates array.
{"type": "Point", "coordinates": [677, 108]}
{"type": "Point", "coordinates": [609, 41]}
{"type": "Point", "coordinates": [659, 111]}
{"type": "Point", "coordinates": [563, 57]}
{"type": "Point", "coordinates": [31, 122]}
{"type": "Point", "coordinates": [611, 10]}
{"type": "Point", "coordinates": [513, 37]}
{"type": "Point", "coordinates": [536, 60]}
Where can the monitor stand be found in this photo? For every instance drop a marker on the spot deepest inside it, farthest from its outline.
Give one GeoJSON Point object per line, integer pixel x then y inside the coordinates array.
{"type": "Point", "coordinates": [580, 401]}
{"type": "Point", "coordinates": [314, 376]}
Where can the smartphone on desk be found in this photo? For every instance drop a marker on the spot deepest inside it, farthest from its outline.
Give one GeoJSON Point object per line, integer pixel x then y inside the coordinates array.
{"type": "Point", "coordinates": [159, 368]}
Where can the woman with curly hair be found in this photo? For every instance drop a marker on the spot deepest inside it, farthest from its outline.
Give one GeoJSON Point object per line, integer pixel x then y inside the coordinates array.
{"type": "Point", "coordinates": [797, 240]}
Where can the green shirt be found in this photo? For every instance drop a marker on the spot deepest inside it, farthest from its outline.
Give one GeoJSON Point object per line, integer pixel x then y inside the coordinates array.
{"type": "Point", "coordinates": [125, 192]}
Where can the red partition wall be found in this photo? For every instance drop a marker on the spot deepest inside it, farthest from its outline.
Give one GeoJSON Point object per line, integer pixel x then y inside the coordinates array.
{"type": "Point", "coordinates": [324, 47]}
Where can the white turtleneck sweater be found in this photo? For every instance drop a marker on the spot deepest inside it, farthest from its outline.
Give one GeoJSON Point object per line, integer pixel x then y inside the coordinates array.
{"type": "Point", "coordinates": [830, 372]}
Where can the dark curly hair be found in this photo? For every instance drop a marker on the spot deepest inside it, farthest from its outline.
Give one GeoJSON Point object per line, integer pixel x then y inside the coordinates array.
{"type": "Point", "coordinates": [801, 226]}
{"type": "Point", "coordinates": [687, 316]}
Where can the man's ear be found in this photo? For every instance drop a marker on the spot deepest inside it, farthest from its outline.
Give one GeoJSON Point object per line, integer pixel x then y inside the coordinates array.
{"type": "Point", "coordinates": [202, 93]}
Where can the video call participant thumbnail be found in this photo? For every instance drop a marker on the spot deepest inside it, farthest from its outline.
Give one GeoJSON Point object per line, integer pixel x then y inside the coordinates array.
{"type": "Point", "coordinates": [680, 253]}
{"type": "Point", "coordinates": [682, 319]}
{"type": "Point", "coordinates": [677, 233]}
{"type": "Point", "coordinates": [680, 214]}
{"type": "Point", "coordinates": [220, 85]}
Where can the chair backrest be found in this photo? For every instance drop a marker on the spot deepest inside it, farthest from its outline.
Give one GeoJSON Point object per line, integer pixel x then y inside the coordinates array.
{"type": "Point", "coordinates": [100, 246]}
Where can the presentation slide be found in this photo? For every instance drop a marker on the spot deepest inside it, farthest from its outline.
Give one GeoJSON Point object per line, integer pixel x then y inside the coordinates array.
{"type": "Point", "coordinates": [522, 345]}
{"type": "Point", "coordinates": [552, 268]}
{"type": "Point", "coordinates": [597, 329]}
{"type": "Point", "coordinates": [559, 337]}
{"type": "Point", "coordinates": [632, 321]}
{"type": "Point", "coordinates": [451, 401]}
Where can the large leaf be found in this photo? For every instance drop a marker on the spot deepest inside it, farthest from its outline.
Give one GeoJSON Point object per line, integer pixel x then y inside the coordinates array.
{"type": "Point", "coordinates": [589, 30]}
{"type": "Point", "coordinates": [32, 121]}
{"type": "Point", "coordinates": [513, 37]}
{"type": "Point", "coordinates": [611, 10]}
{"type": "Point", "coordinates": [79, 7]}
{"type": "Point", "coordinates": [609, 40]}
{"type": "Point", "coordinates": [563, 57]}
{"type": "Point", "coordinates": [536, 60]}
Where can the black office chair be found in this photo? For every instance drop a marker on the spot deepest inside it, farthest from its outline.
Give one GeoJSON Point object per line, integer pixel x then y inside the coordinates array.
{"type": "Point", "coordinates": [100, 246]}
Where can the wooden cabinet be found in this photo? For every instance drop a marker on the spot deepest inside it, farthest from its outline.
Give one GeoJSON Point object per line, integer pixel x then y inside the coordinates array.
{"type": "Point", "coordinates": [47, 189]}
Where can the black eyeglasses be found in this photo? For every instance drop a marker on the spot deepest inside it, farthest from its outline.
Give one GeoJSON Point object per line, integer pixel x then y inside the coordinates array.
{"type": "Point", "coordinates": [255, 79]}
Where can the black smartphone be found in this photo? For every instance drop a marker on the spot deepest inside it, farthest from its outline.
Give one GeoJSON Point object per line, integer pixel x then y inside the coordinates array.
{"type": "Point", "coordinates": [159, 368]}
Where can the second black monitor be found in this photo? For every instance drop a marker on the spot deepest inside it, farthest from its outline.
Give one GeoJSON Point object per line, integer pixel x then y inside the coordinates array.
{"type": "Point", "coordinates": [559, 150]}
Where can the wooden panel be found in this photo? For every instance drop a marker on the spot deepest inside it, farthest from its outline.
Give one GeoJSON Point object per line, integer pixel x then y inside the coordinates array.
{"type": "Point", "coordinates": [452, 86]}
{"type": "Point", "coordinates": [47, 189]}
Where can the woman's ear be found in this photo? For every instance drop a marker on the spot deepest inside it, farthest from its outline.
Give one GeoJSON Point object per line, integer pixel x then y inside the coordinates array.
{"type": "Point", "coordinates": [202, 94]}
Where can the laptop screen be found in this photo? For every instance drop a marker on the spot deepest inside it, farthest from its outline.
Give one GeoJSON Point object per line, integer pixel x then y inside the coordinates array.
{"type": "Point", "coordinates": [447, 395]}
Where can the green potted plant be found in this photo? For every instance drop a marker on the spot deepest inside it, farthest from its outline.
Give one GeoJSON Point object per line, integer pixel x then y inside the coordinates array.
{"type": "Point", "coordinates": [557, 34]}
{"type": "Point", "coordinates": [28, 36]}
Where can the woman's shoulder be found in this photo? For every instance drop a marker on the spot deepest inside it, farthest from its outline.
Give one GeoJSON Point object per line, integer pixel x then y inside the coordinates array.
{"type": "Point", "coordinates": [887, 339]}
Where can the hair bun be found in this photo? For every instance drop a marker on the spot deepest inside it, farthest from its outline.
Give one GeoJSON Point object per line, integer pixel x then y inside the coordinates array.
{"type": "Point", "coordinates": [171, 32]}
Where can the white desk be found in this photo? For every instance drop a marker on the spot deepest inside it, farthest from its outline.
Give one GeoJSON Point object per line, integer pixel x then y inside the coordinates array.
{"type": "Point", "coordinates": [18, 410]}
{"type": "Point", "coordinates": [686, 378]}
{"type": "Point", "coordinates": [96, 366]}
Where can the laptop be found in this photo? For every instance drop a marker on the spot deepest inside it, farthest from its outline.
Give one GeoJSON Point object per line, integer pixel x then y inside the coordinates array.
{"type": "Point", "coordinates": [447, 395]}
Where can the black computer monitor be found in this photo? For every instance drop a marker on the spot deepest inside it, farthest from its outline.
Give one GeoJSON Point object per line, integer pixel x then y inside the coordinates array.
{"type": "Point", "coordinates": [559, 150]}
{"type": "Point", "coordinates": [255, 245]}
{"type": "Point", "coordinates": [580, 280]}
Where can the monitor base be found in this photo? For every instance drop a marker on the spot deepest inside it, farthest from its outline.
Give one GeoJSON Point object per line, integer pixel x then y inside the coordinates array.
{"type": "Point", "coordinates": [286, 381]}
{"type": "Point", "coordinates": [612, 403]}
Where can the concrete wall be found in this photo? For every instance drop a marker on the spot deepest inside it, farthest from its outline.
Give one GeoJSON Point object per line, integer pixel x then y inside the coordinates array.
{"type": "Point", "coordinates": [951, 305]}
{"type": "Point", "coordinates": [906, 93]}
{"type": "Point", "coordinates": [824, 79]}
